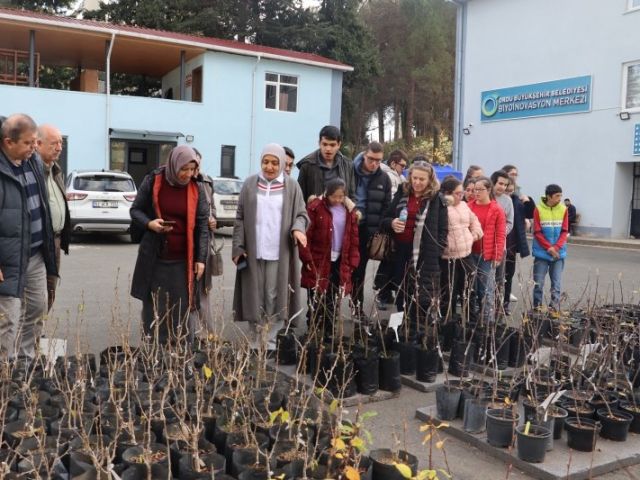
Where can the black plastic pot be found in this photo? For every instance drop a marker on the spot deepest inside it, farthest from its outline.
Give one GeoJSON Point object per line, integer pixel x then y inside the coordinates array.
{"type": "Point", "coordinates": [447, 401]}
{"type": "Point", "coordinates": [159, 460]}
{"type": "Point", "coordinates": [210, 463]}
{"type": "Point", "coordinates": [286, 348]}
{"type": "Point", "coordinates": [245, 458]}
{"type": "Point", "coordinates": [580, 409]}
{"type": "Point", "coordinates": [582, 434]}
{"type": "Point", "coordinates": [367, 372]}
{"type": "Point", "coordinates": [389, 371]}
{"type": "Point", "coordinates": [615, 426]}
{"type": "Point", "coordinates": [532, 447]}
{"type": "Point", "coordinates": [559, 414]}
{"type": "Point", "coordinates": [517, 349]}
{"type": "Point", "coordinates": [459, 362]}
{"type": "Point", "coordinates": [501, 424]}
{"type": "Point", "coordinates": [342, 378]}
{"type": "Point", "coordinates": [407, 356]}
{"type": "Point", "coordinates": [383, 467]}
{"type": "Point", "coordinates": [635, 411]}
{"type": "Point", "coordinates": [503, 347]}
{"type": "Point", "coordinates": [426, 364]}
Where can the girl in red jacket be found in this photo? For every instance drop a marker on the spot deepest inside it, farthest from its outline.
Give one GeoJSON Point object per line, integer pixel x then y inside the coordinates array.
{"type": "Point", "coordinates": [331, 254]}
{"type": "Point", "coordinates": [488, 251]}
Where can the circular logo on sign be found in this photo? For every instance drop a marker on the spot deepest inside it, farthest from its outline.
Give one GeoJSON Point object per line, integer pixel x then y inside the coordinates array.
{"type": "Point", "coordinates": [490, 105]}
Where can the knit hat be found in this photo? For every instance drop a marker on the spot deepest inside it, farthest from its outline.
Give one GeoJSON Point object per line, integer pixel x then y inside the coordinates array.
{"type": "Point", "coordinates": [552, 190]}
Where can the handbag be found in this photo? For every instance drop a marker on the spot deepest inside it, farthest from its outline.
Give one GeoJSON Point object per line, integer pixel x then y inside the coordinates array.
{"type": "Point", "coordinates": [379, 246]}
{"type": "Point", "coordinates": [215, 264]}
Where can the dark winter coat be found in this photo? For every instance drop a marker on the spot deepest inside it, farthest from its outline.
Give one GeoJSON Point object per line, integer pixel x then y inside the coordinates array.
{"type": "Point", "coordinates": [316, 256]}
{"type": "Point", "coordinates": [377, 201]}
{"type": "Point", "coordinates": [311, 174]}
{"type": "Point", "coordinates": [517, 238]}
{"type": "Point", "coordinates": [434, 235]}
{"type": "Point", "coordinates": [144, 210]}
{"type": "Point", "coordinates": [15, 227]}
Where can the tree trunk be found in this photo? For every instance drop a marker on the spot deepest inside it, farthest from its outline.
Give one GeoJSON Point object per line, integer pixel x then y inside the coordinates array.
{"type": "Point", "coordinates": [396, 121]}
{"type": "Point", "coordinates": [381, 123]}
{"type": "Point", "coordinates": [411, 104]}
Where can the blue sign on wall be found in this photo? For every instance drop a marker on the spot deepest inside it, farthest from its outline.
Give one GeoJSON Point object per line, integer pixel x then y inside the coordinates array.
{"type": "Point", "coordinates": [569, 95]}
{"type": "Point", "coordinates": [636, 140]}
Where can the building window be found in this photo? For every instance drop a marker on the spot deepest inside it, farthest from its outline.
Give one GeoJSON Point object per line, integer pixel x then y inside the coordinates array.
{"type": "Point", "coordinates": [631, 86]}
{"type": "Point", "coordinates": [281, 92]}
{"type": "Point", "coordinates": [228, 161]}
{"type": "Point", "coordinates": [634, 4]}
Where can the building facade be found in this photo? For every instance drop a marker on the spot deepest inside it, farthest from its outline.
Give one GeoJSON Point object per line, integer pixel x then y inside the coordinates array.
{"type": "Point", "coordinates": [225, 98]}
{"type": "Point", "coordinates": [554, 88]}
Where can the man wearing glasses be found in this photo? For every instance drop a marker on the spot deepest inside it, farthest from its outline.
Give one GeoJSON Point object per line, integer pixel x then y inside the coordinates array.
{"type": "Point", "coordinates": [372, 197]}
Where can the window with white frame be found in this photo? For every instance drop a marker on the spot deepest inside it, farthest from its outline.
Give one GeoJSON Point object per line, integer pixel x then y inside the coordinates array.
{"type": "Point", "coordinates": [281, 92]}
{"type": "Point", "coordinates": [634, 4]}
{"type": "Point", "coordinates": [631, 86]}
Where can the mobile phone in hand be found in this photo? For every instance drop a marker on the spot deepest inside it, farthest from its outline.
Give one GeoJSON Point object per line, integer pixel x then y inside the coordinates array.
{"type": "Point", "coordinates": [242, 264]}
{"type": "Point", "coordinates": [168, 223]}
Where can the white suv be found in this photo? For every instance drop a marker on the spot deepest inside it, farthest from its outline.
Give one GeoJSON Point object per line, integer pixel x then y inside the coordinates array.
{"type": "Point", "coordinates": [99, 200]}
{"type": "Point", "coordinates": [225, 198]}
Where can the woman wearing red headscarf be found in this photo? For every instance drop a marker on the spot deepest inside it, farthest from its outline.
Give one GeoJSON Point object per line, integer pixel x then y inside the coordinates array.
{"type": "Point", "coordinates": [172, 209]}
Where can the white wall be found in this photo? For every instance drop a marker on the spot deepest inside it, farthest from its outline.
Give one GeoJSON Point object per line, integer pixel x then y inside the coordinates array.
{"type": "Point", "coordinates": [519, 42]}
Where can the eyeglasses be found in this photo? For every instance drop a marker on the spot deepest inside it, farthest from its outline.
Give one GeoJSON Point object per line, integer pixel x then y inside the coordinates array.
{"type": "Point", "coordinates": [373, 160]}
{"type": "Point", "coordinates": [479, 189]}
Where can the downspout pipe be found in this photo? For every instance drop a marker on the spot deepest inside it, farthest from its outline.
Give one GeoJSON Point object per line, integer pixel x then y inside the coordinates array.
{"type": "Point", "coordinates": [107, 120]}
{"type": "Point", "coordinates": [252, 134]}
{"type": "Point", "coordinates": [32, 58]}
{"type": "Point", "coordinates": [461, 38]}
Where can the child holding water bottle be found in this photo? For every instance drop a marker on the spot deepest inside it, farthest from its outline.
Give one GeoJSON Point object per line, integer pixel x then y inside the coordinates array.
{"type": "Point", "coordinates": [417, 217]}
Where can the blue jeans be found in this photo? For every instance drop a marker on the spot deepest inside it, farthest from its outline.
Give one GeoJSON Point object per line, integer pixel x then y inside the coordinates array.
{"type": "Point", "coordinates": [540, 269]}
{"type": "Point", "coordinates": [485, 287]}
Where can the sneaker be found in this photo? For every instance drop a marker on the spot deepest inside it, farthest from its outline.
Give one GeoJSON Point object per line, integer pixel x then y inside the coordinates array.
{"type": "Point", "coordinates": [513, 298]}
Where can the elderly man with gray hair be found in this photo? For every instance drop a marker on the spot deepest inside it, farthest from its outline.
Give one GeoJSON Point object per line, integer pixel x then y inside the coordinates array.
{"type": "Point", "coordinates": [49, 147]}
{"type": "Point", "coordinates": [26, 239]}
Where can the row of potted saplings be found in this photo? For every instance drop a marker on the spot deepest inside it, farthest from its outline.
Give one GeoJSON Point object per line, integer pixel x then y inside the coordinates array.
{"type": "Point", "coordinates": [373, 360]}
{"type": "Point", "coordinates": [174, 419]}
{"type": "Point", "coordinates": [584, 412]}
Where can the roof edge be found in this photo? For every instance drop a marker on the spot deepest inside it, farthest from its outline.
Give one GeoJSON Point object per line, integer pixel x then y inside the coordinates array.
{"type": "Point", "coordinates": [112, 29]}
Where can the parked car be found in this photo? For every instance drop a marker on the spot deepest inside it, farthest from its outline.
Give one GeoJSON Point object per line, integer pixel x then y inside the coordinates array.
{"type": "Point", "coordinates": [99, 200]}
{"type": "Point", "coordinates": [226, 192]}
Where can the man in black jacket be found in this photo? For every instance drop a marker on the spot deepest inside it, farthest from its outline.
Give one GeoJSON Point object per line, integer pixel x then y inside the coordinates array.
{"type": "Point", "coordinates": [26, 239]}
{"type": "Point", "coordinates": [372, 197]}
{"type": "Point", "coordinates": [325, 164]}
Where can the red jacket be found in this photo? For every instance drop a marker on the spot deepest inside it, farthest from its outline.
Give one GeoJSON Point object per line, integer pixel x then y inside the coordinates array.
{"type": "Point", "coordinates": [495, 232]}
{"type": "Point", "coordinates": [316, 256]}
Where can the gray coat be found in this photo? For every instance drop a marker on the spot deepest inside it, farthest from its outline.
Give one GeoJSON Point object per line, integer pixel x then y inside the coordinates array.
{"type": "Point", "coordinates": [294, 217]}
{"type": "Point", "coordinates": [15, 228]}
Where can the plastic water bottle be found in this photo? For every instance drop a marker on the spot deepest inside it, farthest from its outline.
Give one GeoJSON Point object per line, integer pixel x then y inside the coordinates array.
{"type": "Point", "coordinates": [403, 216]}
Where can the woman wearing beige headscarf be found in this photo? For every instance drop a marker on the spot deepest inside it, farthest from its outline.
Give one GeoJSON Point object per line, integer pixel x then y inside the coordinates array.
{"type": "Point", "coordinates": [172, 209]}
{"type": "Point", "coordinates": [271, 222]}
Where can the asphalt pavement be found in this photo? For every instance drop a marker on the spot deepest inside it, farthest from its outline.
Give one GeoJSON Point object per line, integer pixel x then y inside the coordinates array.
{"type": "Point", "coordinates": [93, 310]}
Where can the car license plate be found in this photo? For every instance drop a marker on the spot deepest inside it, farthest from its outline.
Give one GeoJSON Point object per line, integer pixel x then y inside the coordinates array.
{"type": "Point", "coordinates": [105, 204]}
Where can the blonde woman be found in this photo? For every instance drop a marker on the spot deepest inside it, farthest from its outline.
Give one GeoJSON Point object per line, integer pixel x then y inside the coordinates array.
{"type": "Point", "coordinates": [418, 219]}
